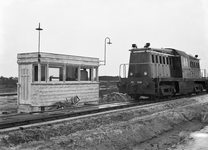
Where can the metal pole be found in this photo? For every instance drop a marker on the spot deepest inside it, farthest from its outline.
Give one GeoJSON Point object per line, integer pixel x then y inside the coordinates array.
{"type": "Point", "coordinates": [105, 42]}
{"type": "Point", "coordinates": [39, 29]}
{"type": "Point", "coordinates": [39, 43]}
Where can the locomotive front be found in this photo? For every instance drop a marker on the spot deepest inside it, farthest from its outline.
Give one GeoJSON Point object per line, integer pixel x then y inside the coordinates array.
{"type": "Point", "coordinates": [137, 77]}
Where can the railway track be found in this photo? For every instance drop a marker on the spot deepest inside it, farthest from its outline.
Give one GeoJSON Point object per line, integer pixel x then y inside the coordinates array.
{"type": "Point", "coordinates": [20, 120]}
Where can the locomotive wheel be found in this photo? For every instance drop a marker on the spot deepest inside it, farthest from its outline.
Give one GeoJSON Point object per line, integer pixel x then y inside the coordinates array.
{"type": "Point", "coordinates": [135, 97]}
{"type": "Point", "coordinates": [155, 97]}
{"type": "Point", "coordinates": [173, 92]}
{"type": "Point", "coordinates": [189, 94]}
{"type": "Point", "coordinates": [169, 96]}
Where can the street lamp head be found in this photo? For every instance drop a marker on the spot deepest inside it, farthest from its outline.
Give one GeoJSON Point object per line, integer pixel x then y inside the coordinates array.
{"type": "Point", "coordinates": [109, 42]}
{"type": "Point", "coordinates": [39, 28]}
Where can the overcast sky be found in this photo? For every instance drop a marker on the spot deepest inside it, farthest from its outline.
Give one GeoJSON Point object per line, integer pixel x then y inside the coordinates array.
{"type": "Point", "coordinates": [79, 27]}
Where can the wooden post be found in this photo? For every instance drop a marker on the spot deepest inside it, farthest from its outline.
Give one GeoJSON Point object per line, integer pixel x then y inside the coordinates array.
{"type": "Point", "coordinates": [79, 73]}
{"type": "Point", "coordinates": [91, 74]}
{"type": "Point", "coordinates": [47, 72]}
{"type": "Point", "coordinates": [39, 72]}
{"type": "Point", "coordinates": [97, 79]}
{"type": "Point", "coordinates": [64, 73]}
{"type": "Point", "coordinates": [19, 85]}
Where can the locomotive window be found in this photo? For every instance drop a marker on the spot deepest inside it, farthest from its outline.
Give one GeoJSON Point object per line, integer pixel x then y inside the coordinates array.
{"type": "Point", "coordinates": [170, 60]}
{"type": "Point", "coordinates": [160, 59]}
{"type": "Point", "coordinates": [185, 62]}
{"type": "Point", "coordinates": [156, 58]}
{"type": "Point", "coordinates": [167, 60]}
{"type": "Point", "coordinates": [163, 60]}
{"type": "Point", "coordinates": [153, 60]}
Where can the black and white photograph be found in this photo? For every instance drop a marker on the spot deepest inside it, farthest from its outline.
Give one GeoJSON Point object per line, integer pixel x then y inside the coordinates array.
{"type": "Point", "coordinates": [103, 74]}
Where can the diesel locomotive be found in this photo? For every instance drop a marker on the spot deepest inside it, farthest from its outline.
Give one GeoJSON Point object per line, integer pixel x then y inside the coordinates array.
{"type": "Point", "coordinates": [163, 72]}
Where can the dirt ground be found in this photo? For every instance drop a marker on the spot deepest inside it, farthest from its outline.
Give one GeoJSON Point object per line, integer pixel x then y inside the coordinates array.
{"type": "Point", "coordinates": [171, 139]}
{"type": "Point", "coordinates": [197, 140]}
{"type": "Point", "coordinates": [8, 104]}
{"type": "Point", "coordinates": [162, 126]}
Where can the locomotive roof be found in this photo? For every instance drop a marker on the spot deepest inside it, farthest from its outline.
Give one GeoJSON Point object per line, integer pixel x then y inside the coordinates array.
{"type": "Point", "coordinates": [169, 51]}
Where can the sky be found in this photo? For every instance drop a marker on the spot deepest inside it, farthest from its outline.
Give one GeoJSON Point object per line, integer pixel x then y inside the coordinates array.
{"type": "Point", "coordinates": [79, 27]}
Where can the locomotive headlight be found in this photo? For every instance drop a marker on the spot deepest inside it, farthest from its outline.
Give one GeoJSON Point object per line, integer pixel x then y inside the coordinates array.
{"type": "Point", "coordinates": [145, 73]}
{"type": "Point", "coordinates": [131, 73]}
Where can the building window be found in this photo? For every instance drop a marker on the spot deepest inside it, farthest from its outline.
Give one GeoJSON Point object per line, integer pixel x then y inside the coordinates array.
{"type": "Point", "coordinates": [35, 78]}
{"type": "Point", "coordinates": [42, 73]}
{"type": "Point", "coordinates": [71, 73]}
{"type": "Point", "coordinates": [55, 73]}
{"type": "Point", "coordinates": [86, 74]}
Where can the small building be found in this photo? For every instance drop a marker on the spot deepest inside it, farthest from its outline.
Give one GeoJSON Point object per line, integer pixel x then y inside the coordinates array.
{"type": "Point", "coordinates": [55, 77]}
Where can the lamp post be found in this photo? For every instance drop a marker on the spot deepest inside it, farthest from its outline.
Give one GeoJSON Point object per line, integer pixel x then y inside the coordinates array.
{"type": "Point", "coordinates": [109, 42]}
{"type": "Point", "coordinates": [39, 29]}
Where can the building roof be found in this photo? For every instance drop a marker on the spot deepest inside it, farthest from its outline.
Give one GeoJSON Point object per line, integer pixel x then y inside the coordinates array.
{"type": "Point", "coordinates": [56, 59]}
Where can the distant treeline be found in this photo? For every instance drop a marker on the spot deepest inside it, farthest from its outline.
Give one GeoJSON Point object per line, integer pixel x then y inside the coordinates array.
{"type": "Point", "coordinates": [8, 81]}
{"type": "Point", "coordinates": [108, 78]}
{"type": "Point", "coordinates": [8, 84]}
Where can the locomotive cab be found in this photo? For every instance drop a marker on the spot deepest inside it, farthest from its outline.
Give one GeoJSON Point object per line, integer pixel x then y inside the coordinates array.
{"type": "Point", "coordinates": [139, 64]}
